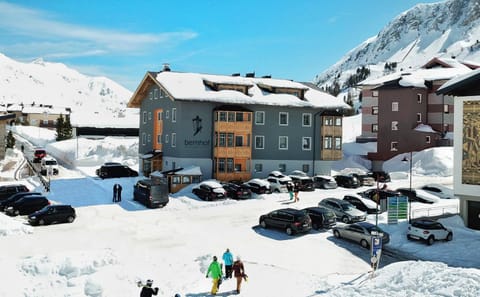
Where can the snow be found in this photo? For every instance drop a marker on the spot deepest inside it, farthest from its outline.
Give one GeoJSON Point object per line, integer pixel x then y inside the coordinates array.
{"type": "Point", "coordinates": [110, 246]}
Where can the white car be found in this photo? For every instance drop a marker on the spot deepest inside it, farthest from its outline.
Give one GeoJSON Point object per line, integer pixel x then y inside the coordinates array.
{"type": "Point", "coordinates": [439, 190]}
{"type": "Point", "coordinates": [48, 166]}
{"type": "Point", "coordinates": [429, 231]}
{"type": "Point", "coordinates": [279, 184]}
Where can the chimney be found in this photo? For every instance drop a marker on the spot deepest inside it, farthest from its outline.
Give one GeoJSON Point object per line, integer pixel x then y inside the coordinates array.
{"type": "Point", "coordinates": [250, 74]}
{"type": "Point", "coordinates": [235, 74]}
{"type": "Point", "coordinates": [166, 67]}
{"type": "Point", "coordinates": [267, 76]}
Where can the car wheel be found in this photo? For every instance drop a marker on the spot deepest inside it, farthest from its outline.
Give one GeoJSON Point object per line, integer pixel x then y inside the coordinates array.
{"type": "Point", "coordinates": [430, 240]}
{"type": "Point", "coordinates": [315, 226]}
{"type": "Point", "coordinates": [277, 191]}
{"type": "Point", "coordinates": [336, 233]}
{"type": "Point", "coordinates": [409, 237]}
{"type": "Point", "coordinates": [345, 219]}
{"type": "Point", "coordinates": [289, 231]}
{"type": "Point", "coordinates": [263, 224]}
{"type": "Point", "coordinates": [449, 236]}
{"type": "Point", "coordinates": [16, 212]}
{"type": "Point", "coordinates": [70, 219]}
{"type": "Point", "coordinates": [364, 243]}
{"type": "Point", "coordinates": [41, 222]}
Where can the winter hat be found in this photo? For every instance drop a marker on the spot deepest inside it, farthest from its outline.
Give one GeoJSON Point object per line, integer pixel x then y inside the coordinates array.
{"type": "Point", "coordinates": [238, 258]}
{"type": "Point", "coordinates": [149, 282]}
{"type": "Point", "coordinates": [214, 258]}
{"type": "Point", "coordinates": [177, 295]}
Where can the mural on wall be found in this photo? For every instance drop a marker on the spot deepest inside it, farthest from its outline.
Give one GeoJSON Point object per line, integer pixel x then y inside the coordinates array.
{"type": "Point", "coordinates": [471, 143]}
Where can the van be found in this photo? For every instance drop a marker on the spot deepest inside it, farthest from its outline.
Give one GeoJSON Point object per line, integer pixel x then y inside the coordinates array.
{"type": "Point", "coordinates": [111, 170]}
{"type": "Point", "coordinates": [49, 166]}
{"type": "Point", "coordinates": [151, 193]}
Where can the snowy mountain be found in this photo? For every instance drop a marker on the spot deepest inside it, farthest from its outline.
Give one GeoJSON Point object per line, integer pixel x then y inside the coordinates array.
{"type": "Point", "coordinates": [445, 29]}
{"type": "Point", "coordinates": [55, 84]}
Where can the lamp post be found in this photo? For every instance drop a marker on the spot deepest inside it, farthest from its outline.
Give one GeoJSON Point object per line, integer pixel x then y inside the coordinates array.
{"type": "Point", "coordinates": [405, 159]}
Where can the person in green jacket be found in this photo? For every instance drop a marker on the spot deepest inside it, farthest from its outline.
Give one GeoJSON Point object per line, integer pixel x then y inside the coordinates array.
{"type": "Point", "coordinates": [214, 271]}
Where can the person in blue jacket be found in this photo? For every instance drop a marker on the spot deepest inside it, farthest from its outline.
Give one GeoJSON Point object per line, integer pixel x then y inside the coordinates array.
{"type": "Point", "coordinates": [228, 262]}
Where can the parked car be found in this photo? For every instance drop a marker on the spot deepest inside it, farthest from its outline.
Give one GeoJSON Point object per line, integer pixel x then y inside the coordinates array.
{"type": "Point", "coordinates": [209, 190]}
{"type": "Point", "coordinates": [237, 191]}
{"type": "Point", "coordinates": [321, 217]}
{"type": "Point", "coordinates": [305, 182]}
{"type": "Point", "coordinates": [151, 193]}
{"type": "Point", "coordinates": [383, 194]}
{"type": "Point", "coordinates": [360, 232]}
{"type": "Point", "coordinates": [417, 195]}
{"type": "Point", "coordinates": [344, 210]}
{"type": "Point", "coordinates": [8, 190]}
{"type": "Point", "coordinates": [48, 164]}
{"type": "Point", "coordinates": [288, 219]}
{"type": "Point", "coordinates": [17, 196]}
{"type": "Point", "coordinates": [324, 182]}
{"type": "Point", "coordinates": [362, 203]}
{"type": "Point", "coordinates": [27, 205]}
{"type": "Point", "coordinates": [279, 184]}
{"type": "Point", "coordinates": [259, 186]}
{"type": "Point", "coordinates": [439, 190]}
{"type": "Point", "coordinates": [115, 170]}
{"type": "Point", "coordinates": [428, 231]}
{"type": "Point", "coordinates": [364, 179]}
{"type": "Point", "coordinates": [51, 214]}
{"type": "Point", "coordinates": [39, 154]}
{"type": "Point", "coordinates": [347, 181]}
{"type": "Point", "coordinates": [380, 176]}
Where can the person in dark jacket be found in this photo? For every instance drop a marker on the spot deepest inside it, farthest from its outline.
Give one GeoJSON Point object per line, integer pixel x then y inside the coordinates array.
{"type": "Point", "coordinates": [239, 273]}
{"type": "Point", "coordinates": [117, 193]}
{"type": "Point", "coordinates": [296, 189]}
{"type": "Point", "coordinates": [147, 290]}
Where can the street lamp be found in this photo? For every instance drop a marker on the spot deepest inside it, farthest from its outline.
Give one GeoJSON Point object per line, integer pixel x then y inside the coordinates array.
{"type": "Point", "coordinates": [405, 159]}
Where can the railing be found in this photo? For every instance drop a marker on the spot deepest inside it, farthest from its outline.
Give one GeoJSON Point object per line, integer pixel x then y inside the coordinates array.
{"type": "Point", "coordinates": [435, 211]}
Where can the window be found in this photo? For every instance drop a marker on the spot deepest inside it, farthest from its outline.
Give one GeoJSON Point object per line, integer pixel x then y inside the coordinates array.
{"type": "Point", "coordinates": [306, 143]}
{"type": "Point", "coordinates": [144, 117]}
{"type": "Point", "coordinates": [155, 93]}
{"type": "Point", "coordinates": [259, 118]}
{"type": "Point", "coordinates": [149, 138]}
{"type": "Point", "coordinates": [162, 94]}
{"type": "Point", "coordinates": [282, 167]}
{"type": "Point", "coordinates": [338, 143]}
{"type": "Point", "coordinates": [375, 94]}
{"type": "Point", "coordinates": [167, 114]}
{"type": "Point", "coordinates": [176, 180]}
{"type": "Point", "coordinates": [231, 116]}
{"type": "Point", "coordinates": [338, 121]}
{"type": "Point", "coordinates": [185, 179]}
{"type": "Point", "coordinates": [160, 115]}
{"type": "Point", "coordinates": [394, 106]}
{"type": "Point", "coordinates": [166, 138]}
{"type": "Point", "coordinates": [174, 139]}
{"type": "Point", "coordinates": [394, 146]}
{"type": "Point", "coordinates": [174, 115]}
{"type": "Point", "coordinates": [144, 138]}
{"type": "Point", "coordinates": [222, 116]}
{"type": "Point", "coordinates": [229, 164]}
{"type": "Point", "coordinates": [307, 120]}
{"type": "Point", "coordinates": [374, 109]}
{"type": "Point", "coordinates": [230, 139]}
{"type": "Point", "coordinates": [419, 98]}
{"type": "Point", "coordinates": [427, 139]}
{"type": "Point", "coordinates": [283, 142]}
{"type": "Point", "coordinates": [374, 127]}
{"type": "Point", "coordinates": [283, 119]}
{"type": "Point", "coordinates": [258, 167]}
{"type": "Point", "coordinates": [238, 167]}
{"type": "Point", "coordinates": [239, 140]}
{"type": "Point", "coordinates": [259, 142]}
{"type": "Point", "coordinates": [328, 121]}
{"type": "Point", "coordinates": [222, 141]}
{"type": "Point", "coordinates": [150, 95]}
{"type": "Point", "coordinates": [149, 115]}
{"type": "Point", "coordinates": [159, 138]}
{"type": "Point", "coordinates": [446, 108]}
{"type": "Point", "coordinates": [239, 117]}
{"type": "Point", "coordinates": [221, 165]}
{"type": "Point", "coordinates": [327, 142]}
{"type": "Point", "coordinates": [419, 117]}
{"type": "Point", "coordinates": [394, 125]}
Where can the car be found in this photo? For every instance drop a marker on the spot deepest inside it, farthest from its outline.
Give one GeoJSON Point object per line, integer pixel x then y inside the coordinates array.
{"type": "Point", "coordinates": [361, 232]}
{"type": "Point", "coordinates": [305, 182]}
{"type": "Point", "coordinates": [259, 186]}
{"type": "Point", "coordinates": [290, 220]}
{"type": "Point", "coordinates": [209, 190]}
{"type": "Point", "coordinates": [51, 214]}
{"type": "Point", "coordinates": [151, 193]}
{"type": "Point", "coordinates": [383, 194]}
{"type": "Point", "coordinates": [439, 190]}
{"type": "Point", "coordinates": [10, 200]}
{"type": "Point", "coordinates": [418, 195]}
{"type": "Point", "coordinates": [324, 182]}
{"type": "Point", "coordinates": [27, 205]}
{"type": "Point", "coordinates": [321, 217]}
{"type": "Point", "coordinates": [39, 154]}
{"type": "Point", "coordinates": [362, 203]}
{"type": "Point", "coordinates": [428, 231]}
{"type": "Point", "coordinates": [8, 190]}
{"type": "Point", "coordinates": [365, 180]}
{"type": "Point", "coordinates": [381, 176]}
{"type": "Point", "coordinates": [48, 166]}
{"type": "Point", "coordinates": [237, 191]}
{"type": "Point", "coordinates": [279, 184]}
{"type": "Point", "coordinates": [347, 181]}
{"type": "Point", "coordinates": [344, 210]}
{"type": "Point", "coordinates": [115, 170]}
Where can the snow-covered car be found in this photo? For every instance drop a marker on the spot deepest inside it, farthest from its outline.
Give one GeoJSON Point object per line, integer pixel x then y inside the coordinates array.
{"type": "Point", "coordinates": [362, 203]}
{"type": "Point", "coordinates": [279, 184]}
{"type": "Point", "coordinates": [324, 182]}
{"type": "Point", "coordinates": [360, 232]}
{"type": "Point", "coordinates": [418, 195]}
{"type": "Point", "coordinates": [439, 190]}
{"type": "Point", "coordinates": [344, 210]}
{"type": "Point", "coordinates": [209, 190]}
{"type": "Point", "coordinates": [259, 186]}
{"type": "Point", "coordinates": [304, 182]}
{"type": "Point", "coordinates": [429, 231]}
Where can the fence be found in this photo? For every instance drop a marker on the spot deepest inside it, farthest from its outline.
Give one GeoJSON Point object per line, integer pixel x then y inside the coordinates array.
{"type": "Point", "coordinates": [435, 211]}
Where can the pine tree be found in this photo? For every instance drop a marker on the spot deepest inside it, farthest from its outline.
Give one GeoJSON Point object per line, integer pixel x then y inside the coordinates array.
{"type": "Point", "coordinates": [59, 128]}
{"type": "Point", "coordinates": [10, 140]}
{"type": "Point", "coordinates": [67, 128]}
{"type": "Point", "coordinates": [64, 128]}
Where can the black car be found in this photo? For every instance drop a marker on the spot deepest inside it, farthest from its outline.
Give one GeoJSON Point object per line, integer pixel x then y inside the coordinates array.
{"type": "Point", "coordinates": [151, 193]}
{"type": "Point", "coordinates": [288, 219]}
{"type": "Point", "coordinates": [347, 181]}
{"type": "Point", "coordinates": [362, 203]}
{"type": "Point", "coordinates": [8, 190]}
{"type": "Point", "coordinates": [51, 214]}
{"type": "Point", "coordinates": [383, 194]}
{"type": "Point", "coordinates": [412, 195]}
{"type": "Point", "coordinates": [10, 200]}
{"type": "Point", "coordinates": [236, 191]}
{"type": "Point", "coordinates": [111, 170]}
{"type": "Point", "coordinates": [27, 205]}
{"type": "Point", "coordinates": [321, 217]}
{"type": "Point", "coordinates": [380, 176]}
{"type": "Point", "coordinates": [209, 190]}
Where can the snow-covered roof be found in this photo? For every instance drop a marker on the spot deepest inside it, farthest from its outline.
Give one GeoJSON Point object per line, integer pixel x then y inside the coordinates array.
{"type": "Point", "coordinates": [458, 79]}
{"type": "Point", "coordinates": [44, 110]}
{"type": "Point", "coordinates": [190, 170]}
{"type": "Point", "coordinates": [193, 87]}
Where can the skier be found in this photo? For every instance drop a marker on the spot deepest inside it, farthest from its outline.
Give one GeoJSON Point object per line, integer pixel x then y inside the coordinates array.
{"type": "Point", "coordinates": [290, 190]}
{"type": "Point", "coordinates": [147, 290]}
{"type": "Point", "coordinates": [296, 189]}
{"type": "Point", "coordinates": [239, 273]}
{"type": "Point", "coordinates": [215, 271]}
{"type": "Point", "coordinates": [228, 261]}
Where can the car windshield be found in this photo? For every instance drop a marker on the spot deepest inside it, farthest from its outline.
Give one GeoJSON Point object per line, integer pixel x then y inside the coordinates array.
{"type": "Point", "coordinates": [347, 207]}
{"type": "Point", "coordinates": [50, 162]}
{"type": "Point", "coordinates": [374, 228]}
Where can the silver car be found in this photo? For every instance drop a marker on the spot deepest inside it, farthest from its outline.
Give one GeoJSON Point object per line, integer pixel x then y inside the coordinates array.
{"type": "Point", "coordinates": [344, 210]}
{"type": "Point", "coordinates": [360, 232]}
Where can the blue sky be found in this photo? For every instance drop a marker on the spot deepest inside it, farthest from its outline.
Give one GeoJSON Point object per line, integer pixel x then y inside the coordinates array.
{"type": "Point", "coordinates": [124, 39]}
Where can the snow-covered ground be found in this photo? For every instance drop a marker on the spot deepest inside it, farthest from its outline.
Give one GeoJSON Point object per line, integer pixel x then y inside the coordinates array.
{"type": "Point", "coordinates": [111, 246]}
